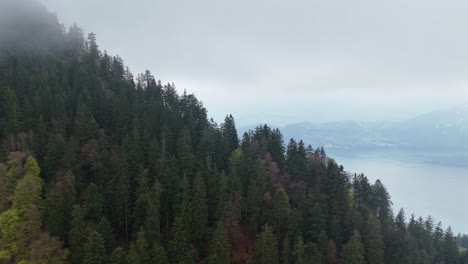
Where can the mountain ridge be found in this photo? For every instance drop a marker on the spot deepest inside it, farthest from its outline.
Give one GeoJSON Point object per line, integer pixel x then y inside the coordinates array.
{"type": "Point", "coordinates": [444, 130]}
{"type": "Point", "coordinates": [98, 167]}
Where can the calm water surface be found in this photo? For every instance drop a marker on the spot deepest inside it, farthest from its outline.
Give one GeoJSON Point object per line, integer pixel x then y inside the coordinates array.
{"type": "Point", "coordinates": [420, 187]}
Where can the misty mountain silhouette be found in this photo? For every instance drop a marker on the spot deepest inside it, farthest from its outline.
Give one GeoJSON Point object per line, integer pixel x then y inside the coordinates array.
{"type": "Point", "coordinates": [442, 130]}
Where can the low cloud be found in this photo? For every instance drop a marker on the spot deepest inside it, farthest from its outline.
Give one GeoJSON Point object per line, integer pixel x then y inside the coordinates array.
{"type": "Point", "coordinates": [349, 53]}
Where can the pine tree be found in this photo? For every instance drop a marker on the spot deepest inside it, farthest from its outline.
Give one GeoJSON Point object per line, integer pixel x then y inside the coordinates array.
{"type": "Point", "coordinates": [296, 160]}
{"type": "Point", "coordinates": [153, 216]}
{"type": "Point", "coordinates": [381, 202]}
{"type": "Point", "coordinates": [133, 256]}
{"type": "Point", "coordinates": [121, 199]}
{"type": "Point", "coordinates": [285, 251]}
{"type": "Point", "coordinates": [118, 256]}
{"type": "Point", "coordinates": [75, 38]}
{"type": "Point", "coordinates": [92, 47]}
{"type": "Point", "coordinates": [11, 111]}
{"type": "Point", "coordinates": [373, 241]}
{"type": "Point", "coordinates": [76, 236]}
{"type": "Point", "coordinates": [41, 137]}
{"type": "Point", "coordinates": [184, 205]}
{"type": "Point", "coordinates": [59, 206]}
{"type": "Point", "coordinates": [199, 211]}
{"type": "Point", "coordinates": [266, 247]}
{"type": "Point", "coordinates": [105, 230]}
{"type": "Point", "coordinates": [93, 205]}
{"type": "Point", "coordinates": [220, 246]}
{"type": "Point", "coordinates": [53, 155]}
{"type": "Point", "coordinates": [229, 132]}
{"type": "Point", "coordinates": [353, 251]}
{"type": "Point", "coordinates": [399, 246]}
{"type": "Point", "coordinates": [312, 254]}
{"type": "Point", "coordinates": [314, 219]}
{"type": "Point", "coordinates": [169, 192]}
{"type": "Point", "coordinates": [95, 251]}
{"type": "Point", "coordinates": [295, 223]}
{"type": "Point", "coordinates": [282, 208]}
{"type": "Point", "coordinates": [159, 254]}
{"type": "Point", "coordinates": [71, 155]}
{"type": "Point", "coordinates": [438, 238]}
{"type": "Point", "coordinates": [298, 251]}
{"type": "Point", "coordinates": [185, 153]}
{"type": "Point", "coordinates": [222, 195]}
{"type": "Point", "coordinates": [140, 250]}
{"type": "Point", "coordinates": [256, 189]}
{"type": "Point", "coordinates": [450, 247]}
{"type": "Point", "coordinates": [142, 199]}
{"type": "Point", "coordinates": [180, 244]}
{"type": "Point", "coordinates": [85, 126]}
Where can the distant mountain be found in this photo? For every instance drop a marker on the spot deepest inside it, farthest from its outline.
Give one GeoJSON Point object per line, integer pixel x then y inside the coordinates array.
{"type": "Point", "coordinates": [439, 130]}
{"type": "Point", "coordinates": [443, 130]}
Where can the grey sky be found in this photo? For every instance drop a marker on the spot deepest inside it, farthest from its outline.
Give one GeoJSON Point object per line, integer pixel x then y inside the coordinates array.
{"type": "Point", "coordinates": [289, 61]}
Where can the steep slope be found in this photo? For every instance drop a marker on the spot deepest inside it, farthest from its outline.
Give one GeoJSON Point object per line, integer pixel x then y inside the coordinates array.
{"type": "Point", "coordinates": [102, 167]}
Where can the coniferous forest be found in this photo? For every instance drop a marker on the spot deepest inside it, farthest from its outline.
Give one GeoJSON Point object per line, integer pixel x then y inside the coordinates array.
{"type": "Point", "coordinates": [101, 166]}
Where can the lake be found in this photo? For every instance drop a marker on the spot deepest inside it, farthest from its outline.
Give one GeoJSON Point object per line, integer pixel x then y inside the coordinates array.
{"type": "Point", "coordinates": [423, 186]}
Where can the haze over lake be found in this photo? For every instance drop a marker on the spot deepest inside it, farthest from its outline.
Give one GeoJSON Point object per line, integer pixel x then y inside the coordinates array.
{"type": "Point", "coordinates": [421, 183]}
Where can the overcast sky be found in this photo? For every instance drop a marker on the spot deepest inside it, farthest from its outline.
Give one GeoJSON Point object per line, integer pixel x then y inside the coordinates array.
{"type": "Point", "coordinates": [290, 61]}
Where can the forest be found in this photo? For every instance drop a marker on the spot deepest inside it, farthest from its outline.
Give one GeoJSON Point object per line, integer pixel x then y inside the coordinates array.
{"type": "Point", "coordinates": [99, 166]}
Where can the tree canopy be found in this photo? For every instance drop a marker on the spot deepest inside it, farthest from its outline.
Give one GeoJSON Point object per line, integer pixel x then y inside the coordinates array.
{"type": "Point", "coordinates": [100, 166]}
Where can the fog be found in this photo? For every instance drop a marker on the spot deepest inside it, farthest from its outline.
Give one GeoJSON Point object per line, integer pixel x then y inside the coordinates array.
{"type": "Point", "coordinates": [16, 30]}
{"type": "Point", "coordinates": [291, 61]}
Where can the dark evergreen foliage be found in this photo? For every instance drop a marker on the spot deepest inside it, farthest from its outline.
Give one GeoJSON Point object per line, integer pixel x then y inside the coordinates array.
{"type": "Point", "coordinates": [130, 171]}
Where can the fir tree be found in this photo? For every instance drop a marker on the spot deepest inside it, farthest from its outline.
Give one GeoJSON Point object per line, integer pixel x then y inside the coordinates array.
{"type": "Point", "coordinates": [95, 252]}
{"type": "Point", "coordinates": [139, 252]}
{"type": "Point", "coordinates": [229, 132]}
{"type": "Point", "coordinates": [312, 254]}
{"type": "Point", "coordinates": [266, 247]}
{"type": "Point", "coordinates": [153, 217]}
{"type": "Point", "coordinates": [220, 246]}
{"type": "Point", "coordinates": [159, 254]}
{"type": "Point", "coordinates": [180, 245]}
{"type": "Point", "coordinates": [199, 211]}
{"type": "Point", "coordinates": [76, 236]}
{"type": "Point", "coordinates": [93, 205]}
{"type": "Point", "coordinates": [281, 207]}
{"type": "Point", "coordinates": [118, 256]}
{"type": "Point", "coordinates": [59, 206]}
{"type": "Point", "coordinates": [353, 251]}
{"type": "Point", "coordinates": [373, 241]}
{"type": "Point", "coordinates": [105, 230]}
{"type": "Point", "coordinates": [298, 251]}
{"type": "Point", "coordinates": [450, 247]}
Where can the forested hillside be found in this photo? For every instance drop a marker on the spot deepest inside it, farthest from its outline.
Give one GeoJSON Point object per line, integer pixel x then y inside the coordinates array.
{"type": "Point", "coordinates": [100, 166]}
